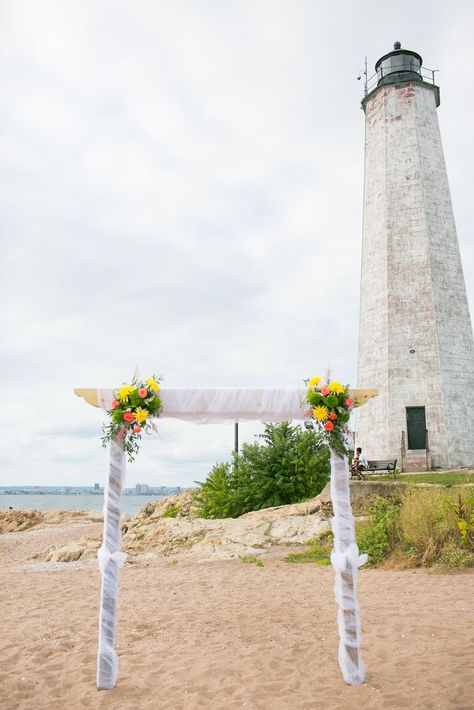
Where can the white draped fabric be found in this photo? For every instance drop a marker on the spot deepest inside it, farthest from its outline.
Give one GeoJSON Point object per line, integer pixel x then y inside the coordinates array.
{"type": "Point", "coordinates": [345, 560]}
{"type": "Point", "coordinates": [110, 560]}
{"type": "Point", "coordinates": [207, 406]}
{"type": "Point", "coordinates": [220, 405]}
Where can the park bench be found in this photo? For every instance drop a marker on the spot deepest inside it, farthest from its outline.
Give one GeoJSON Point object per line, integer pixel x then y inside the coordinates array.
{"type": "Point", "coordinates": [384, 465]}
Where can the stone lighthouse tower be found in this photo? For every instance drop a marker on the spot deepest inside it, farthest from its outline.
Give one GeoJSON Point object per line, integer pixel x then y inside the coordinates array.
{"type": "Point", "coordinates": [415, 338]}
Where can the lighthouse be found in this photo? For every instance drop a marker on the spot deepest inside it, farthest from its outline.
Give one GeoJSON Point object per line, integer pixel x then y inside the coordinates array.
{"type": "Point", "coordinates": [415, 335]}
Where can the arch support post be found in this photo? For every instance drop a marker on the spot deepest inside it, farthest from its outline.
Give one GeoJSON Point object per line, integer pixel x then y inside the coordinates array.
{"type": "Point", "coordinates": [346, 560]}
{"type": "Point", "coordinates": [110, 560]}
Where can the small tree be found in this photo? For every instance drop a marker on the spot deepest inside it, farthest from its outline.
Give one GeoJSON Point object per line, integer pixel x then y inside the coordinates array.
{"type": "Point", "coordinates": [288, 465]}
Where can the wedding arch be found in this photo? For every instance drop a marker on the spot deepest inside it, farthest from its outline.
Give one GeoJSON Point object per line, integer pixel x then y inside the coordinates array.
{"type": "Point", "coordinates": [224, 405]}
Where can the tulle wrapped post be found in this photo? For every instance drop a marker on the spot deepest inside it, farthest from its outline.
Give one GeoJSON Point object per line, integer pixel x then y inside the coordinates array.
{"type": "Point", "coordinates": [110, 560]}
{"type": "Point", "coordinates": [345, 560]}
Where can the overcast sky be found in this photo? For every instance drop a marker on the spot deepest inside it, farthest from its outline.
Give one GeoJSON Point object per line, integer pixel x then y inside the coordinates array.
{"type": "Point", "coordinates": [181, 189]}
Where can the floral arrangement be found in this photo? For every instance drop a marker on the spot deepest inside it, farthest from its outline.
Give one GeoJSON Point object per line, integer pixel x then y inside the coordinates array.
{"type": "Point", "coordinates": [132, 408]}
{"type": "Point", "coordinates": [331, 407]}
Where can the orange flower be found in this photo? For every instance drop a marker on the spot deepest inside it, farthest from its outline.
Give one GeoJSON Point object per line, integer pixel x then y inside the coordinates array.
{"type": "Point", "coordinates": [129, 417]}
{"type": "Point", "coordinates": [328, 426]}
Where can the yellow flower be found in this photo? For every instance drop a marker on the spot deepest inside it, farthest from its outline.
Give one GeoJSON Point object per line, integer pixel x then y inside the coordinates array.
{"type": "Point", "coordinates": [153, 384]}
{"type": "Point", "coordinates": [314, 381]}
{"type": "Point", "coordinates": [141, 415]}
{"type": "Point", "coordinates": [336, 387]}
{"type": "Point", "coordinates": [124, 392]}
{"type": "Point", "coordinates": [320, 413]}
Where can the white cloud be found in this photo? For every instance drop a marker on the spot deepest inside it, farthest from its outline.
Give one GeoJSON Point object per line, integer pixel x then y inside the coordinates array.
{"type": "Point", "coordinates": [182, 190]}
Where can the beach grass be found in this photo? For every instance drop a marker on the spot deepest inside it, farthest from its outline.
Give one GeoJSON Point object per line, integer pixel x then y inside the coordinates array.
{"type": "Point", "coordinates": [445, 478]}
{"type": "Point", "coordinates": [319, 552]}
{"type": "Point", "coordinates": [172, 512]}
{"type": "Point", "coordinates": [252, 560]}
{"type": "Point", "coordinates": [420, 527]}
{"type": "Point", "coordinates": [424, 527]}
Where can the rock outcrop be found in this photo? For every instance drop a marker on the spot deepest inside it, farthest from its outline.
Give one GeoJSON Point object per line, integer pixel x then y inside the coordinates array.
{"type": "Point", "coordinates": [171, 526]}
{"type": "Point", "coordinates": [19, 520]}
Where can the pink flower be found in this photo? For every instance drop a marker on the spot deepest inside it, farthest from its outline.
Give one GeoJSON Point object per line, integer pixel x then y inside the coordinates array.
{"type": "Point", "coordinates": [349, 402]}
{"type": "Point", "coordinates": [328, 426]}
{"type": "Point", "coordinates": [324, 391]}
{"type": "Point", "coordinates": [129, 417]}
{"type": "Point", "coordinates": [143, 392]}
{"type": "Point", "coordinates": [115, 404]}
{"type": "Point", "coordinates": [137, 429]}
{"type": "Point", "coordinates": [332, 415]}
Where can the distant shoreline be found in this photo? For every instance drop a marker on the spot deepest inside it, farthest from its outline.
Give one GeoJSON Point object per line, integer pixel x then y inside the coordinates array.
{"type": "Point", "coordinates": [79, 493]}
{"type": "Point", "coordinates": [73, 501]}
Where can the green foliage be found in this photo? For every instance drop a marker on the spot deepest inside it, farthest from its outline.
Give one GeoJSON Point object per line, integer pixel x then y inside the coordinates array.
{"type": "Point", "coordinates": [465, 514]}
{"type": "Point", "coordinates": [319, 552]}
{"type": "Point", "coordinates": [217, 497]}
{"type": "Point", "coordinates": [424, 528]}
{"type": "Point", "coordinates": [445, 478]}
{"type": "Point", "coordinates": [288, 465]}
{"type": "Point", "coordinates": [252, 560]}
{"type": "Point", "coordinates": [454, 557]}
{"type": "Point", "coordinates": [428, 522]}
{"type": "Point", "coordinates": [466, 530]}
{"type": "Point", "coordinates": [377, 535]}
{"type": "Point", "coordinates": [173, 511]}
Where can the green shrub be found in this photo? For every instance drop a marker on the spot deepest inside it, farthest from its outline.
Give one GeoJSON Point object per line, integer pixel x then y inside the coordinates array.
{"type": "Point", "coordinates": [428, 522]}
{"type": "Point", "coordinates": [425, 528]}
{"type": "Point", "coordinates": [319, 552]}
{"type": "Point", "coordinates": [252, 560]}
{"type": "Point", "coordinates": [172, 512]}
{"type": "Point", "coordinates": [288, 465]}
{"type": "Point", "coordinates": [454, 557]}
{"type": "Point", "coordinates": [218, 496]}
{"type": "Point", "coordinates": [446, 478]}
{"type": "Point", "coordinates": [378, 535]}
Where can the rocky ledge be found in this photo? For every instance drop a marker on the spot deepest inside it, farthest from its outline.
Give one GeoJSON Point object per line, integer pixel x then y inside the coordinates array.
{"type": "Point", "coordinates": [20, 520]}
{"type": "Point", "coordinates": [171, 526]}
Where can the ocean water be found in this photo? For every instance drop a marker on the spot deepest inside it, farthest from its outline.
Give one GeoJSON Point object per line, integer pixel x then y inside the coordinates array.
{"type": "Point", "coordinates": [84, 501]}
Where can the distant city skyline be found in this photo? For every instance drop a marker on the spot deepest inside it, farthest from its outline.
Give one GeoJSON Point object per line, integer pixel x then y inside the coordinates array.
{"type": "Point", "coordinates": [139, 489]}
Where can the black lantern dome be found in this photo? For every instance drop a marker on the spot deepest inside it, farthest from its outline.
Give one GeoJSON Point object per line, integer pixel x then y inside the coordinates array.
{"type": "Point", "coordinates": [399, 65]}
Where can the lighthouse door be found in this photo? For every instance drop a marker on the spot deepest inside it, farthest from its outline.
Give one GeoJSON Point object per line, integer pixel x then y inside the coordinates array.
{"type": "Point", "coordinates": [416, 427]}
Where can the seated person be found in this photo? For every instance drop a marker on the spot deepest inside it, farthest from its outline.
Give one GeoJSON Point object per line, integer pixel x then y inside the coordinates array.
{"type": "Point", "coordinates": [359, 464]}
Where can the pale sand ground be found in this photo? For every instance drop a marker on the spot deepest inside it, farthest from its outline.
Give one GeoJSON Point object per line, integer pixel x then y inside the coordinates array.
{"type": "Point", "coordinates": [227, 634]}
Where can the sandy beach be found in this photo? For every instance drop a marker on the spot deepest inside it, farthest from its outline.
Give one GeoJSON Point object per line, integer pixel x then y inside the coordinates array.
{"type": "Point", "coordinates": [225, 634]}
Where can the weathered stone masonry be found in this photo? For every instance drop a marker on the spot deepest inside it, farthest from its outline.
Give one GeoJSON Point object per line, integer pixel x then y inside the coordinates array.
{"type": "Point", "coordinates": [415, 340]}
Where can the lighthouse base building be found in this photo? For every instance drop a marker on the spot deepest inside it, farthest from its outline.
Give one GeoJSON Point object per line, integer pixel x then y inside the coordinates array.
{"type": "Point", "coordinates": [415, 340]}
